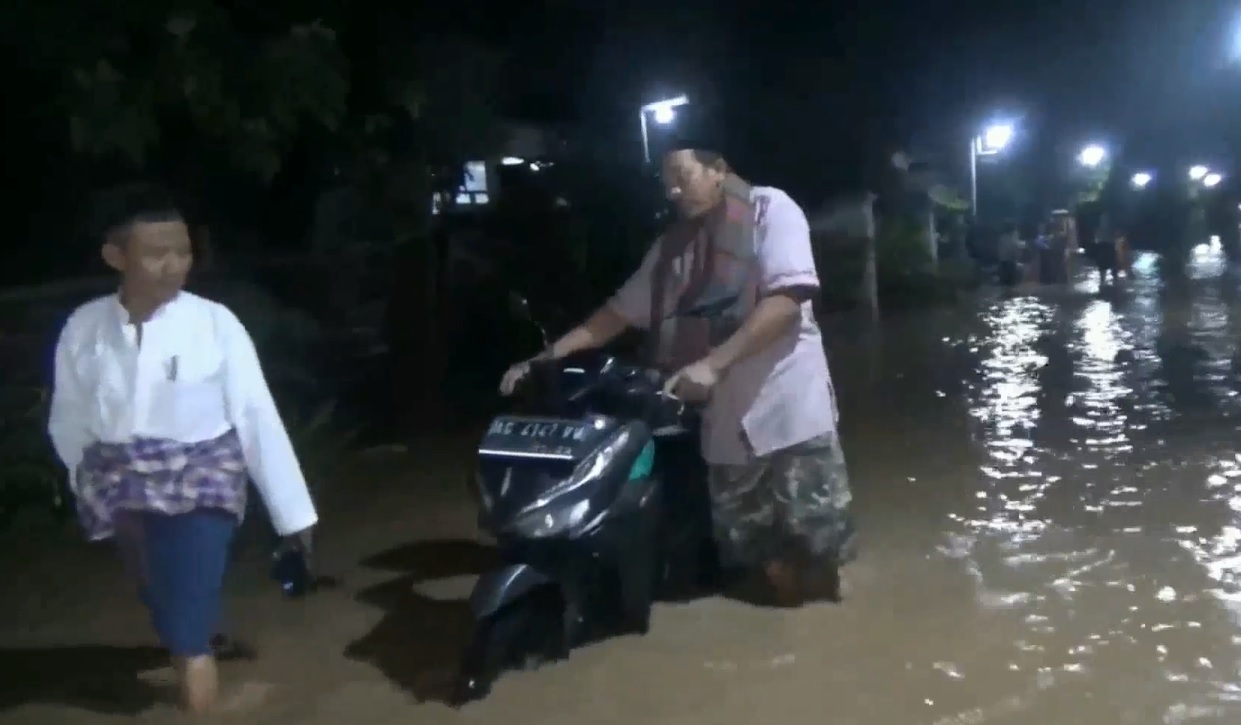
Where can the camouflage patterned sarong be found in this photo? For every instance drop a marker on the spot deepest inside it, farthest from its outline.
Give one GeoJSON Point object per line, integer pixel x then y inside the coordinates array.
{"type": "Point", "coordinates": [787, 506]}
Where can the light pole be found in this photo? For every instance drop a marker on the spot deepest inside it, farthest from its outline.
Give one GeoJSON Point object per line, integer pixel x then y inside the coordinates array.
{"type": "Point", "coordinates": [662, 112]}
{"type": "Point", "coordinates": [990, 142]}
{"type": "Point", "coordinates": [1141, 179]}
{"type": "Point", "coordinates": [1211, 179]}
{"type": "Point", "coordinates": [1197, 172]}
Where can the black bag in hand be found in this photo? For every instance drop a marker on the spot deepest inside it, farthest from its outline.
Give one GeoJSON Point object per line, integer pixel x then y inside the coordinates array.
{"type": "Point", "coordinates": [292, 566]}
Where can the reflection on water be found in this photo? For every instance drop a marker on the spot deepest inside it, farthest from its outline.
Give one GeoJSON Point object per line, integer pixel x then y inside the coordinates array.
{"type": "Point", "coordinates": [1107, 519]}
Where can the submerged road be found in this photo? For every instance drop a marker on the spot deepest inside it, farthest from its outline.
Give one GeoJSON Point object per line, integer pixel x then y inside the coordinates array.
{"type": "Point", "coordinates": [1049, 490]}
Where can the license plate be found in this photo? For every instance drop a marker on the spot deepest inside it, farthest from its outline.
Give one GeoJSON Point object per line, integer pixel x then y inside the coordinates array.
{"type": "Point", "coordinates": [553, 438]}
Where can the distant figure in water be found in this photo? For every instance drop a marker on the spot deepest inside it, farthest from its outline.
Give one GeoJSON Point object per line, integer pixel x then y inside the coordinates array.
{"type": "Point", "coordinates": [1053, 253]}
{"type": "Point", "coordinates": [1108, 252]}
{"type": "Point", "coordinates": [1010, 251]}
{"type": "Point", "coordinates": [161, 412]}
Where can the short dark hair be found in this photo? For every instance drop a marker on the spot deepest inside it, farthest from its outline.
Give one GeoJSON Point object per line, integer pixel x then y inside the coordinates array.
{"type": "Point", "coordinates": [705, 150]}
{"type": "Point", "coordinates": [118, 208]}
{"type": "Point", "coordinates": [709, 158]}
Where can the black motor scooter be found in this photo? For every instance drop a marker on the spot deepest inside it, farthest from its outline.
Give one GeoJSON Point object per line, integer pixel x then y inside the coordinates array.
{"type": "Point", "coordinates": [574, 493]}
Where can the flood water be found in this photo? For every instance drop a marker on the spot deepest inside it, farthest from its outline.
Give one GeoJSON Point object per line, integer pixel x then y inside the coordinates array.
{"type": "Point", "coordinates": [1049, 490]}
{"type": "Point", "coordinates": [1053, 506]}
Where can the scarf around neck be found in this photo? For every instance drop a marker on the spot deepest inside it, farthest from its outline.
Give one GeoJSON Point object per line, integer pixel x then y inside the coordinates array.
{"type": "Point", "coordinates": [718, 249]}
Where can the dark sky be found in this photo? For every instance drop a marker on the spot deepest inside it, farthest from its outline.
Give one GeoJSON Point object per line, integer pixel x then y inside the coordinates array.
{"type": "Point", "coordinates": [1071, 68]}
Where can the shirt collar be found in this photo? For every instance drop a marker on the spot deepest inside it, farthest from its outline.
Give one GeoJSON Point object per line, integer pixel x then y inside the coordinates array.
{"type": "Point", "coordinates": [121, 315]}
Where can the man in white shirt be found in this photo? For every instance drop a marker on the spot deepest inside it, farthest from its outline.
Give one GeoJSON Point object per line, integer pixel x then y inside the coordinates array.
{"type": "Point", "coordinates": [161, 413]}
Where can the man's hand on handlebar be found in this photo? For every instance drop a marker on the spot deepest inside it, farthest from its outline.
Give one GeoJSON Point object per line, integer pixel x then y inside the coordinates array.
{"type": "Point", "coordinates": [513, 376]}
{"type": "Point", "coordinates": [519, 372]}
{"type": "Point", "coordinates": [693, 383]}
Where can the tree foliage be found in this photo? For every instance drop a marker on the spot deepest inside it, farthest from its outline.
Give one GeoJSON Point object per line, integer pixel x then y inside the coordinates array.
{"type": "Point", "coordinates": [130, 78]}
{"type": "Point", "coordinates": [190, 84]}
{"type": "Point", "coordinates": [436, 110]}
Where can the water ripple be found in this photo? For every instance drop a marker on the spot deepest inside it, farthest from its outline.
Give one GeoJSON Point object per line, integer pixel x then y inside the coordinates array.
{"type": "Point", "coordinates": [1106, 518]}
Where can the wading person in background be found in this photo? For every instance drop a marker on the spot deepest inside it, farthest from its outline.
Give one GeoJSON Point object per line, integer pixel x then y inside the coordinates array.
{"type": "Point", "coordinates": [160, 411]}
{"type": "Point", "coordinates": [779, 489]}
{"type": "Point", "coordinates": [1009, 254]}
{"type": "Point", "coordinates": [1104, 251]}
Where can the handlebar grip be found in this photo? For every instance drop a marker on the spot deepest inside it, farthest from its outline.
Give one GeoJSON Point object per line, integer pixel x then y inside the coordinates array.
{"type": "Point", "coordinates": [661, 393]}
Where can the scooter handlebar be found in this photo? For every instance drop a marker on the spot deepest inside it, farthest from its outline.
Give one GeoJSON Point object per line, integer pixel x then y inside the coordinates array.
{"type": "Point", "coordinates": [635, 388]}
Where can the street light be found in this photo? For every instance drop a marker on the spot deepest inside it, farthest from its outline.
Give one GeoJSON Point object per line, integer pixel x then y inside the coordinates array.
{"type": "Point", "coordinates": [1141, 179]}
{"type": "Point", "coordinates": [1211, 179]}
{"type": "Point", "coordinates": [1092, 156]}
{"type": "Point", "coordinates": [1196, 173]}
{"type": "Point", "coordinates": [662, 112]}
{"type": "Point", "coordinates": [995, 138]}
{"type": "Point", "coordinates": [991, 141]}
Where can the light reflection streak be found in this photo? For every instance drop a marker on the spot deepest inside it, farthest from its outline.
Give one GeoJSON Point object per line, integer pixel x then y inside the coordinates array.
{"type": "Point", "coordinates": [1145, 321]}
{"type": "Point", "coordinates": [1208, 329]}
{"type": "Point", "coordinates": [1005, 400]}
{"type": "Point", "coordinates": [1008, 399]}
{"type": "Point", "coordinates": [1101, 414]}
{"type": "Point", "coordinates": [1220, 553]}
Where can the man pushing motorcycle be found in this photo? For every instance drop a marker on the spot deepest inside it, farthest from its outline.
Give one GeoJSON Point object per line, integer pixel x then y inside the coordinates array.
{"type": "Point", "coordinates": [779, 487]}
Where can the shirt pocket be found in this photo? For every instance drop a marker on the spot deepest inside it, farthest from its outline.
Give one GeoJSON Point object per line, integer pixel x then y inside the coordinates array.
{"type": "Point", "coordinates": [195, 366]}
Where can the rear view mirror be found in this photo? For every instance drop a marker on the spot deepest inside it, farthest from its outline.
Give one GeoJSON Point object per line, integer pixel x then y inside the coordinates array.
{"type": "Point", "coordinates": [518, 305]}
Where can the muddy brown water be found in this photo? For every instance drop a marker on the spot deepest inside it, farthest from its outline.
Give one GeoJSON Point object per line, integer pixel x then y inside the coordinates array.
{"type": "Point", "coordinates": [1049, 486]}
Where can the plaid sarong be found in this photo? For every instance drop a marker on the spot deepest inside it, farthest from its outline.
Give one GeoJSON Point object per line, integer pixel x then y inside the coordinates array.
{"type": "Point", "coordinates": [163, 476]}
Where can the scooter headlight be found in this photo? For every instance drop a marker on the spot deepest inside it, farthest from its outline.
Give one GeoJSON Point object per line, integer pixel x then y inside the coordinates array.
{"type": "Point", "coordinates": [561, 509]}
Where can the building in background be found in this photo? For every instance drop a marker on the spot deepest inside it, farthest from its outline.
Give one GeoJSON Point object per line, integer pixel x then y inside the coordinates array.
{"type": "Point", "coordinates": [526, 149]}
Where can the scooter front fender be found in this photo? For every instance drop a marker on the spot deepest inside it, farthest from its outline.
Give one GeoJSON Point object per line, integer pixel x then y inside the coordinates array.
{"type": "Point", "coordinates": [501, 587]}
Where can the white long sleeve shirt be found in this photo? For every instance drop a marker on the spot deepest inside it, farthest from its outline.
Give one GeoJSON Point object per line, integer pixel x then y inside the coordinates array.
{"type": "Point", "coordinates": [194, 376]}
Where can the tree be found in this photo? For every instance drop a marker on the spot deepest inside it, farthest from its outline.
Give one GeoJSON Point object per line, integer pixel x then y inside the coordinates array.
{"type": "Point", "coordinates": [433, 112]}
{"type": "Point", "coordinates": [134, 79]}
{"type": "Point", "coordinates": [225, 92]}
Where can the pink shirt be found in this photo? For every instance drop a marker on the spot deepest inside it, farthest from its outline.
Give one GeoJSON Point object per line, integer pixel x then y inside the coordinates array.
{"type": "Point", "coordinates": [782, 395]}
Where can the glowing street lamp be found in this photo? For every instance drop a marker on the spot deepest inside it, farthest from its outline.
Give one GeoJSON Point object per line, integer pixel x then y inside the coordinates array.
{"type": "Point", "coordinates": [661, 112]}
{"type": "Point", "coordinates": [1092, 156]}
{"type": "Point", "coordinates": [1196, 173]}
{"type": "Point", "coordinates": [1212, 179]}
{"type": "Point", "coordinates": [1141, 179]}
{"type": "Point", "coordinates": [993, 139]}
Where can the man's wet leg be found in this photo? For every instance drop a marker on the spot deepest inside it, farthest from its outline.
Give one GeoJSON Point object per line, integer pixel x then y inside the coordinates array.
{"type": "Point", "coordinates": [817, 535]}
{"type": "Point", "coordinates": [741, 519]}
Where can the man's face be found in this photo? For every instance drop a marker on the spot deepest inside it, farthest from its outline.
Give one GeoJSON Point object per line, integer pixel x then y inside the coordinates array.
{"type": "Point", "coordinates": [153, 258]}
{"type": "Point", "coordinates": [693, 187]}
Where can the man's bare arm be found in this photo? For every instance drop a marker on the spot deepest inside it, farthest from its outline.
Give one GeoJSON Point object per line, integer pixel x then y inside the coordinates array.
{"type": "Point", "coordinates": [787, 278]}
{"type": "Point", "coordinates": [773, 316]}
{"type": "Point", "coordinates": [598, 330]}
